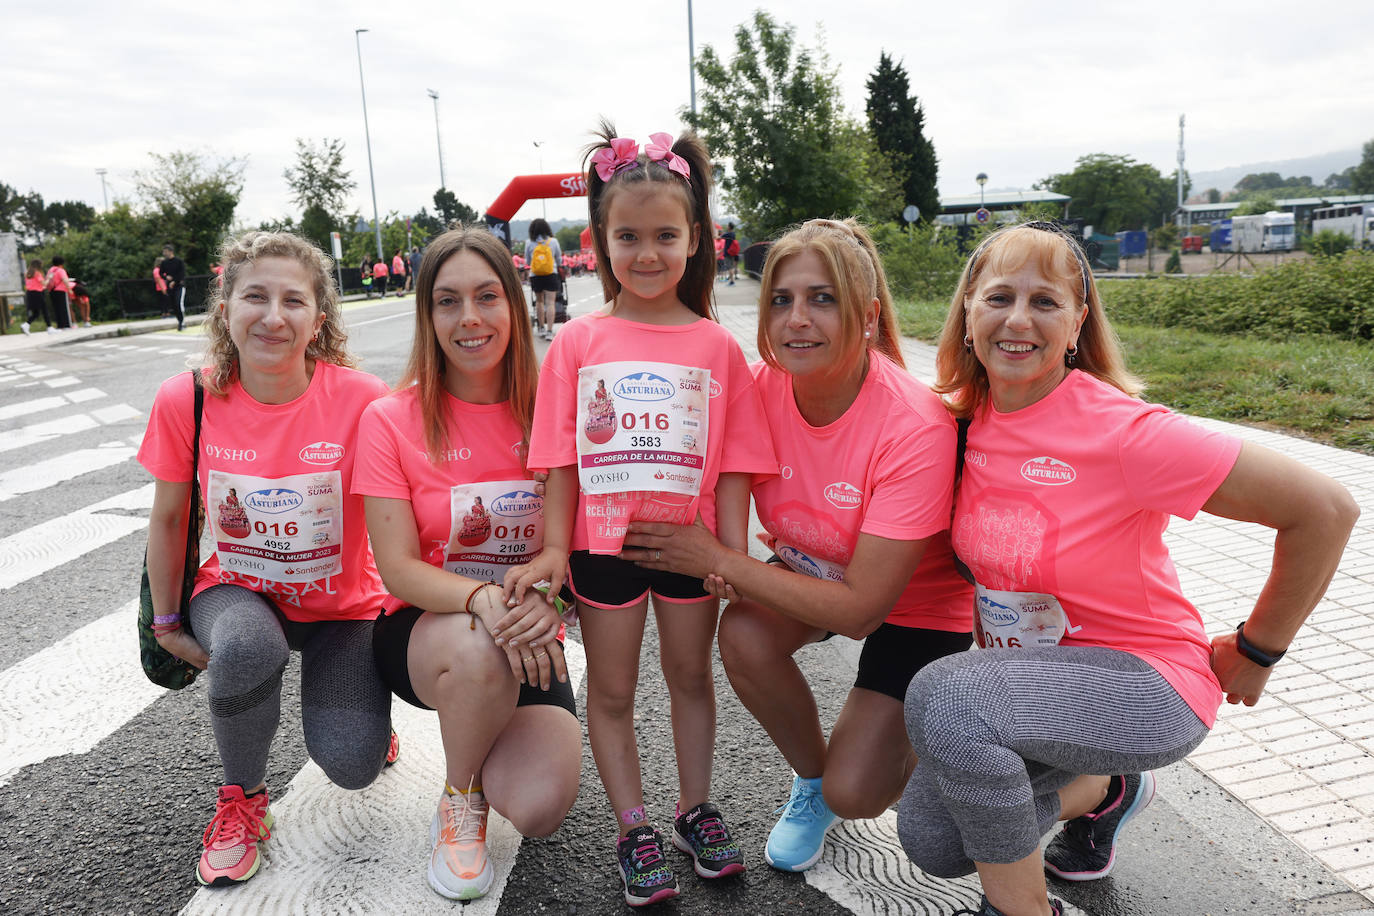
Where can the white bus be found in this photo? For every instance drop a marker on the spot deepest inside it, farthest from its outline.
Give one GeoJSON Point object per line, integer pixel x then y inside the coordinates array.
{"type": "Point", "coordinates": [1272, 231]}
{"type": "Point", "coordinates": [1354, 220]}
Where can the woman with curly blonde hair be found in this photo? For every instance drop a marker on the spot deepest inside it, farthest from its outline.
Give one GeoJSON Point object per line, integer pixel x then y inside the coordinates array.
{"type": "Point", "coordinates": [292, 569]}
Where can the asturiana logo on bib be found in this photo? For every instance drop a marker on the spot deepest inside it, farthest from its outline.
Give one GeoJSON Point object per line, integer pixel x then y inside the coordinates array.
{"type": "Point", "coordinates": [995, 613]}
{"type": "Point", "coordinates": [274, 501]}
{"type": "Point", "coordinates": [799, 561]}
{"type": "Point", "coordinates": [517, 504]}
{"type": "Point", "coordinates": [1049, 471]}
{"type": "Point", "coordinates": [843, 495]}
{"type": "Point", "coordinates": [322, 452]}
{"type": "Point", "coordinates": [645, 386]}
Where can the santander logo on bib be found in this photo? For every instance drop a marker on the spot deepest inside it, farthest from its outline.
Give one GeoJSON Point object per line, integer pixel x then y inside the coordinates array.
{"type": "Point", "coordinates": [1049, 471]}
{"type": "Point", "coordinates": [843, 495]}
{"type": "Point", "coordinates": [322, 452]}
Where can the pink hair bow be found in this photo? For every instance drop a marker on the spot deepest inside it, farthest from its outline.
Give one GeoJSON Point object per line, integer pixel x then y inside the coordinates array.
{"type": "Point", "coordinates": [660, 149]}
{"type": "Point", "coordinates": [623, 153]}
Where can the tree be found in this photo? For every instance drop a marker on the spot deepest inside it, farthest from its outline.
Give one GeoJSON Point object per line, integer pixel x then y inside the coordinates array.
{"type": "Point", "coordinates": [1260, 203]}
{"type": "Point", "coordinates": [1261, 181]}
{"type": "Point", "coordinates": [1340, 181]}
{"type": "Point", "coordinates": [451, 209]}
{"type": "Point", "coordinates": [775, 112]}
{"type": "Point", "coordinates": [193, 199]}
{"type": "Point", "coordinates": [570, 237]}
{"type": "Point", "coordinates": [1213, 196]}
{"type": "Point", "coordinates": [320, 186]}
{"type": "Point", "coordinates": [896, 120]}
{"type": "Point", "coordinates": [1115, 192]}
{"type": "Point", "coordinates": [1362, 179]}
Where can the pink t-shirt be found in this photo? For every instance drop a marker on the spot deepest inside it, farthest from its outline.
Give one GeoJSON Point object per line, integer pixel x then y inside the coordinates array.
{"type": "Point", "coordinates": [1070, 497]}
{"type": "Point", "coordinates": [885, 468]}
{"type": "Point", "coordinates": [309, 439]}
{"type": "Point", "coordinates": [35, 281]}
{"type": "Point", "coordinates": [735, 440]}
{"type": "Point", "coordinates": [484, 444]}
{"type": "Point", "coordinates": [160, 283]}
{"type": "Point", "coordinates": [398, 266]}
{"type": "Point", "coordinates": [379, 269]}
{"type": "Point", "coordinates": [58, 279]}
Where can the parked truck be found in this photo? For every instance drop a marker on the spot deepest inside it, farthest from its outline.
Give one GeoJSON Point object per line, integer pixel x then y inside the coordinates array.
{"type": "Point", "coordinates": [1354, 220]}
{"type": "Point", "coordinates": [1133, 243]}
{"type": "Point", "coordinates": [1270, 231]}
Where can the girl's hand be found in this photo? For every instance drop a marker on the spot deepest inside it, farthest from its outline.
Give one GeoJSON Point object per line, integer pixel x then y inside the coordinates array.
{"type": "Point", "coordinates": [540, 478]}
{"type": "Point", "coordinates": [184, 646]}
{"type": "Point", "coordinates": [720, 589]}
{"type": "Point", "coordinates": [550, 565]}
{"type": "Point", "coordinates": [1242, 680]}
{"type": "Point", "coordinates": [691, 550]}
{"type": "Point", "coordinates": [538, 664]}
{"type": "Point", "coordinates": [529, 623]}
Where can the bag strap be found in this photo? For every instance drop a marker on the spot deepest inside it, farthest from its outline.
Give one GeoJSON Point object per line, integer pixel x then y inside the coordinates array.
{"type": "Point", "coordinates": [962, 423]}
{"type": "Point", "coordinates": [192, 529]}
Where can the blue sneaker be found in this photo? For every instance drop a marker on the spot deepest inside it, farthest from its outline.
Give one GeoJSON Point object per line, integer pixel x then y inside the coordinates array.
{"type": "Point", "coordinates": [796, 840]}
{"type": "Point", "coordinates": [1085, 849]}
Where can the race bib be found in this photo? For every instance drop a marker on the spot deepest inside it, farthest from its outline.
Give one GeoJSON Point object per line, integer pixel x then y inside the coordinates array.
{"type": "Point", "coordinates": [642, 426]}
{"type": "Point", "coordinates": [807, 564]}
{"type": "Point", "coordinates": [493, 526]}
{"type": "Point", "coordinates": [1016, 620]}
{"type": "Point", "coordinates": [284, 529]}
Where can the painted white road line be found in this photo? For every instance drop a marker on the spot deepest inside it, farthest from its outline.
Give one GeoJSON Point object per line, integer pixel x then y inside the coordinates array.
{"type": "Point", "coordinates": [63, 382]}
{"type": "Point", "coordinates": [358, 324]}
{"type": "Point", "coordinates": [42, 432]}
{"type": "Point", "coordinates": [67, 698]}
{"type": "Point", "coordinates": [34, 551]}
{"type": "Point", "coordinates": [115, 413]}
{"type": "Point", "coordinates": [334, 851]}
{"type": "Point", "coordinates": [44, 373]}
{"type": "Point", "coordinates": [44, 474]}
{"type": "Point", "coordinates": [82, 395]}
{"type": "Point", "coordinates": [23, 408]}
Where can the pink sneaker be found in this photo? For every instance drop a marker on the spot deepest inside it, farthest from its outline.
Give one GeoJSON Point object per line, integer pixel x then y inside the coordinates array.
{"type": "Point", "coordinates": [231, 840]}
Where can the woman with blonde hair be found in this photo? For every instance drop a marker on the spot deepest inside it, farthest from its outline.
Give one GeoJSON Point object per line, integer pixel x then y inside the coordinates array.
{"type": "Point", "coordinates": [858, 523]}
{"type": "Point", "coordinates": [292, 569]}
{"type": "Point", "coordinates": [1094, 668]}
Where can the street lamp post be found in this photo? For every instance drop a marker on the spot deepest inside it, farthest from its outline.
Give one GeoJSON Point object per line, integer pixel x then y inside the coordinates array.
{"type": "Point", "coordinates": [435, 96]}
{"type": "Point", "coordinates": [982, 179]}
{"type": "Point", "coordinates": [543, 202]}
{"type": "Point", "coordinates": [104, 194]}
{"type": "Point", "coordinates": [691, 58]}
{"type": "Point", "coordinates": [367, 134]}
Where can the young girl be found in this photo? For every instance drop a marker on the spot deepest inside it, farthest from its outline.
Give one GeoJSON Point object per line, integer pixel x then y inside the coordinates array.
{"type": "Point", "coordinates": [34, 300]}
{"type": "Point", "coordinates": [686, 441]}
{"type": "Point", "coordinates": [509, 728]}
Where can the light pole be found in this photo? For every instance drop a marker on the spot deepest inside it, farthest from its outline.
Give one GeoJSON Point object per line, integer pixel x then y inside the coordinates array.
{"type": "Point", "coordinates": [982, 179]}
{"type": "Point", "coordinates": [543, 202]}
{"type": "Point", "coordinates": [367, 134]}
{"type": "Point", "coordinates": [104, 193]}
{"type": "Point", "coordinates": [435, 96]}
{"type": "Point", "coordinates": [691, 59]}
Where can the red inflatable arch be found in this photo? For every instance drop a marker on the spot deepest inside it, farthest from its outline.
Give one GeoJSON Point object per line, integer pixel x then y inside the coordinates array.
{"type": "Point", "coordinates": [530, 187]}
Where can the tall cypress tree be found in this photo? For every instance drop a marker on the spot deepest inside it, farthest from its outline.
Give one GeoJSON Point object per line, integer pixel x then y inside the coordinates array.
{"type": "Point", "coordinates": [897, 122]}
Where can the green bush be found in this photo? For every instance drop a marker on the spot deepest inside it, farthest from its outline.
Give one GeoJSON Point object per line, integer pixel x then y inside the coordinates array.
{"type": "Point", "coordinates": [1174, 265]}
{"type": "Point", "coordinates": [922, 260]}
{"type": "Point", "coordinates": [1328, 242]}
{"type": "Point", "coordinates": [1333, 296]}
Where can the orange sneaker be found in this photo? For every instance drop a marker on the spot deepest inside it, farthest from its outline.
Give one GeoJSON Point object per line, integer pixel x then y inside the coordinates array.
{"type": "Point", "coordinates": [458, 865]}
{"type": "Point", "coordinates": [393, 748]}
{"type": "Point", "coordinates": [231, 840]}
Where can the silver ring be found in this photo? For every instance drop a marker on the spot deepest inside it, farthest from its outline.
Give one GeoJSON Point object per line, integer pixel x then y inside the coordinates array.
{"type": "Point", "coordinates": [658, 556]}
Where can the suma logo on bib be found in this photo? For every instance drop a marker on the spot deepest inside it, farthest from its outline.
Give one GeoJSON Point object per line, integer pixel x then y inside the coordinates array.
{"type": "Point", "coordinates": [843, 495]}
{"type": "Point", "coordinates": [1049, 471]}
{"type": "Point", "coordinates": [322, 452]}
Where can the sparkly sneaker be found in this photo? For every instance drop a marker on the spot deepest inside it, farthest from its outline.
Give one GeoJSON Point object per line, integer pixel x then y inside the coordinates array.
{"type": "Point", "coordinates": [643, 869]}
{"type": "Point", "coordinates": [231, 840]}
{"type": "Point", "coordinates": [458, 865]}
{"type": "Point", "coordinates": [701, 834]}
{"type": "Point", "coordinates": [796, 840]}
{"type": "Point", "coordinates": [987, 909]}
{"type": "Point", "coordinates": [393, 748]}
{"type": "Point", "coordinates": [1086, 848]}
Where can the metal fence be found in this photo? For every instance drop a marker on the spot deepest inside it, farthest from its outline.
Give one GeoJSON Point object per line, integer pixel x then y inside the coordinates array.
{"type": "Point", "coordinates": [140, 298]}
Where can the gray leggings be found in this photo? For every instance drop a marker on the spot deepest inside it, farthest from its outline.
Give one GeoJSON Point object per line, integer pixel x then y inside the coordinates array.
{"type": "Point", "coordinates": [999, 731]}
{"type": "Point", "coordinates": [345, 707]}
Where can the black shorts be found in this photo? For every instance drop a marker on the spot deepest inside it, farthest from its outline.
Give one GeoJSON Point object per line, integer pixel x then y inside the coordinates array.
{"type": "Point", "coordinates": [892, 655]}
{"type": "Point", "coordinates": [605, 581]}
{"type": "Point", "coordinates": [391, 644]}
{"type": "Point", "coordinates": [544, 283]}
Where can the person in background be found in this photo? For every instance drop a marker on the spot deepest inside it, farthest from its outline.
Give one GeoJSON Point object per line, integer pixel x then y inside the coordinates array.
{"type": "Point", "coordinates": [59, 287]}
{"type": "Point", "coordinates": [174, 272]}
{"type": "Point", "coordinates": [543, 255]}
{"type": "Point", "coordinates": [398, 270]}
{"type": "Point", "coordinates": [35, 302]}
{"type": "Point", "coordinates": [415, 260]}
{"type": "Point", "coordinates": [1094, 667]}
{"type": "Point", "coordinates": [160, 287]}
{"type": "Point", "coordinates": [380, 276]}
{"type": "Point", "coordinates": [731, 252]}
{"type": "Point", "coordinates": [81, 301]}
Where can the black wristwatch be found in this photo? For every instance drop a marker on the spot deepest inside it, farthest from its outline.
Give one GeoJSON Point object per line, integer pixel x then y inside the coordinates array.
{"type": "Point", "coordinates": [1247, 648]}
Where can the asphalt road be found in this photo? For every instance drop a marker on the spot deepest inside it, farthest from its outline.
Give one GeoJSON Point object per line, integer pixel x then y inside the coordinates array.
{"type": "Point", "coordinates": [104, 790]}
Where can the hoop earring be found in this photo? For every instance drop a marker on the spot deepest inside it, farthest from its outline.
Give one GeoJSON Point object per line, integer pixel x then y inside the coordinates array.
{"type": "Point", "coordinates": [968, 344]}
{"type": "Point", "coordinates": [1071, 356]}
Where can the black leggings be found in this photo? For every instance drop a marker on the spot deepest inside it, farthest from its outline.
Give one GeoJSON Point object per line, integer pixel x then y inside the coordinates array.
{"type": "Point", "coordinates": [37, 305]}
{"type": "Point", "coordinates": [998, 732]}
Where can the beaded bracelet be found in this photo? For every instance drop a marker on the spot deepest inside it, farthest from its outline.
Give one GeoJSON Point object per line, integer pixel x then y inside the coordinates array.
{"type": "Point", "coordinates": [467, 605]}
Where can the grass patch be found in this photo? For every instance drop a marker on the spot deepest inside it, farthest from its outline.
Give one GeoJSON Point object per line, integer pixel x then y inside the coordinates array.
{"type": "Point", "coordinates": [1317, 387]}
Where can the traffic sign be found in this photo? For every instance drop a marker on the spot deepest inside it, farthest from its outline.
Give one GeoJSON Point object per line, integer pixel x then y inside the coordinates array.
{"type": "Point", "coordinates": [911, 213]}
{"type": "Point", "coordinates": [983, 215]}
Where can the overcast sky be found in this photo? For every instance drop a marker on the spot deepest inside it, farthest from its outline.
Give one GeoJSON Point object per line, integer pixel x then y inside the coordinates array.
{"type": "Point", "coordinates": [1018, 90]}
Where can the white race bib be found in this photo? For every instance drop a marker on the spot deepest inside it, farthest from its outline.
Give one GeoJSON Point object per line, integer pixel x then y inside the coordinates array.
{"type": "Point", "coordinates": [807, 564]}
{"type": "Point", "coordinates": [1017, 620]}
{"type": "Point", "coordinates": [493, 526]}
{"type": "Point", "coordinates": [285, 529]}
{"type": "Point", "coordinates": [642, 426]}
